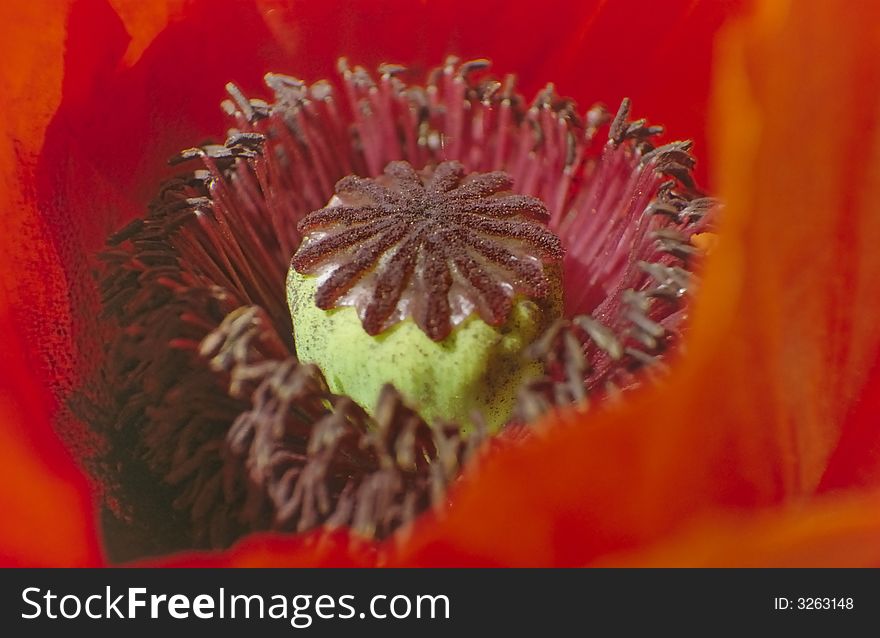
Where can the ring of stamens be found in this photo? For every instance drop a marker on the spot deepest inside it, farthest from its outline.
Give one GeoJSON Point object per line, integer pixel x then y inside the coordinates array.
{"type": "Point", "coordinates": [201, 402]}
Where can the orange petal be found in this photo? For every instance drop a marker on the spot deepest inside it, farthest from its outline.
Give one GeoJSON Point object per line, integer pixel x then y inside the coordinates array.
{"type": "Point", "coordinates": [144, 21]}
{"type": "Point", "coordinates": [44, 497]}
{"type": "Point", "coordinates": [798, 114]}
{"type": "Point", "coordinates": [838, 532]}
{"type": "Point", "coordinates": [783, 331]}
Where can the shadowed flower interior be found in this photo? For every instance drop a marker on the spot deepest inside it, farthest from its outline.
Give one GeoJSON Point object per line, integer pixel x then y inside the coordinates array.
{"type": "Point", "coordinates": [202, 402]}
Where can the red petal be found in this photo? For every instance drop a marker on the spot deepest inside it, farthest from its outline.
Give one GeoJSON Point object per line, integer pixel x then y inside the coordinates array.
{"type": "Point", "coordinates": [316, 549]}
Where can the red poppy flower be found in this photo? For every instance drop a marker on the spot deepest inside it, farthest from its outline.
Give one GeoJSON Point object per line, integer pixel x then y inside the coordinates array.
{"type": "Point", "coordinates": [761, 446]}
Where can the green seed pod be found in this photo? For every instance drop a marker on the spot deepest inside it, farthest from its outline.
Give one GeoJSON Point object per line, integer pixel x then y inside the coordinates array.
{"type": "Point", "coordinates": [435, 281]}
{"type": "Point", "coordinates": [477, 367]}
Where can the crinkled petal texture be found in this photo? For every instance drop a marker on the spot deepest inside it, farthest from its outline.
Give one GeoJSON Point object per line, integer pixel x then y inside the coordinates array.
{"type": "Point", "coordinates": [769, 408]}
{"type": "Point", "coordinates": [47, 519]}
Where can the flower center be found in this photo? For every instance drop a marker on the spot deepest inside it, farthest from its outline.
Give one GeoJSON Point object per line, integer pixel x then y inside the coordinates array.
{"type": "Point", "coordinates": [458, 210]}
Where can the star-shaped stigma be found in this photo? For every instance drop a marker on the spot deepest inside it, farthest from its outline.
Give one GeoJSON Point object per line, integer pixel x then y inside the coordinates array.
{"type": "Point", "coordinates": [435, 245]}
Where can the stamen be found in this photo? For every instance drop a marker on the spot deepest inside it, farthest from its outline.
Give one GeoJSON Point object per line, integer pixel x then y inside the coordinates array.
{"type": "Point", "coordinates": [311, 457]}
